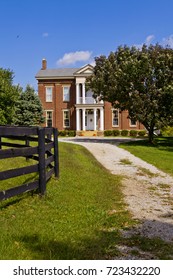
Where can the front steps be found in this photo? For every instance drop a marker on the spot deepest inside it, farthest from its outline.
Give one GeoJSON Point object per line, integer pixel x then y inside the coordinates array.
{"type": "Point", "coordinates": [89, 133]}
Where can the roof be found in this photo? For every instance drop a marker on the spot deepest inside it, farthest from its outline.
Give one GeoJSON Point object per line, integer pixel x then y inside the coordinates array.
{"type": "Point", "coordinates": [86, 70]}
{"type": "Point", "coordinates": [52, 73]}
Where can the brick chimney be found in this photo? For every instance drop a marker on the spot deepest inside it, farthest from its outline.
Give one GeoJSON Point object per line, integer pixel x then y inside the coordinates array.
{"type": "Point", "coordinates": [44, 64]}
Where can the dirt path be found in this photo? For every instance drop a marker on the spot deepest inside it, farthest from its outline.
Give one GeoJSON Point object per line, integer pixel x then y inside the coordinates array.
{"type": "Point", "coordinates": [148, 191]}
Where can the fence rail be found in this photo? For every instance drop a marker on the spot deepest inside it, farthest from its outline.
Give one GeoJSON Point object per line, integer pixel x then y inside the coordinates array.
{"type": "Point", "coordinates": [46, 139]}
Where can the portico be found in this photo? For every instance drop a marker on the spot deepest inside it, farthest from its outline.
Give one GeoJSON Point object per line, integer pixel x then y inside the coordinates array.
{"type": "Point", "coordinates": [90, 118]}
{"type": "Point", "coordinates": [89, 111]}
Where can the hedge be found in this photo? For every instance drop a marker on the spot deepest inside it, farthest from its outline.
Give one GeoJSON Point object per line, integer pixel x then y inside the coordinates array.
{"type": "Point", "coordinates": [68, 133]}
{"type": "Point", "coordinates": [133, 133]}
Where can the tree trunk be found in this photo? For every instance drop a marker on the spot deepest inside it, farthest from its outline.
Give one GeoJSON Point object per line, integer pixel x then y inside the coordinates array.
{"type": "Point", "coordinates": [151, 135]}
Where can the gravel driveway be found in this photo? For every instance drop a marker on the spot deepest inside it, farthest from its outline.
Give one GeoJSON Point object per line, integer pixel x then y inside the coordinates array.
{"type": "Point", "coordinates": [148, 191]}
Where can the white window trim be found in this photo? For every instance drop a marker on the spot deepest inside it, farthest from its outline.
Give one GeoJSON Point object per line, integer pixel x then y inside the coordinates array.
{"type": "Point", "coordinates": [132, 125]}
{"type": "Point", "coordinates": [63, 92]}
{"type": "Point", "coordinates": [66, 110]}
{"type": "Point", "coordinates": [48, 101]}
{"type": "Point", "coordinates": [47, 118]}
{"type": "Point", "coordinates": [113, 109]}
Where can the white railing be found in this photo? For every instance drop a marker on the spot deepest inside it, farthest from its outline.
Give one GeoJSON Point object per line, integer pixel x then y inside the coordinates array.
{"type": "Point", "coordinates": [89, 100]}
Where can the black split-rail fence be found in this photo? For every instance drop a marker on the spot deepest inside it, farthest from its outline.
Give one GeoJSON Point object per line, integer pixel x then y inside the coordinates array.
{"type": "Point", "coordinates": [37, 143]}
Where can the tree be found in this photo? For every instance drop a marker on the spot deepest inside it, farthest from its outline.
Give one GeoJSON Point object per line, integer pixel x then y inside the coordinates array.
{"type": "Point", "coordinates": [29, 110]}
{"type": "Point", "coordinates": [137, 80]}
{"type": "Point", "coordinates": [8, 96]}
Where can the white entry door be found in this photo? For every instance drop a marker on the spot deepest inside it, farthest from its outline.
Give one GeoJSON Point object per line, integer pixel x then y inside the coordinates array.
{"type": "Point", "coordinates": [90, 122]}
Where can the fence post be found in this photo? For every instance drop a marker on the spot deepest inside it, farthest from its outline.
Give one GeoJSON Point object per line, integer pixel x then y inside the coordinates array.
{"type": "Point", "coordinates": [27, 144]}
{"type": "Point", "coordinates": [0, 143]}
{"type": "Point", "coordinates": [56, 152]}
{"type": "Point", "coordinates": [41, 165]}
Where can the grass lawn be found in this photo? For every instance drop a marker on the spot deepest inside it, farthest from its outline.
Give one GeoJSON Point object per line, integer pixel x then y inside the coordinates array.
{"type": "Point", "coordinates": [73, 220]}
{"type": "Point", "coordinates": [79, 218]}
{"type": "Point", "coordinates": [159, 154]}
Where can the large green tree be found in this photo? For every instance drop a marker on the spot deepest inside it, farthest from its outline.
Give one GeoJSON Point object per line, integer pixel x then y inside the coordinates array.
{"type": "Point", "coordinates": [29, 110]}
{"type": "Point", "coordinates": [8, 96]}
{"type": "Point", "coordinates": [137, 80]}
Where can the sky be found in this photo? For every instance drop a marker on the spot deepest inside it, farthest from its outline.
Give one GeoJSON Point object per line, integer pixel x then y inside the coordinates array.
{"type": "Point", "coordinates": [71, 33]}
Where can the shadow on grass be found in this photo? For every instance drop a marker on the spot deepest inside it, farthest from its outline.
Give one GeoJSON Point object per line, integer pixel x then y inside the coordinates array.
{"type": "Point", "coordinates": [143, 242]}
{"type": "Point", "coordinates": [85, 249]}
{"type": "Point", "coordinates": [165, 143]}
{"type": "Point", "coordinates": [152, 237]}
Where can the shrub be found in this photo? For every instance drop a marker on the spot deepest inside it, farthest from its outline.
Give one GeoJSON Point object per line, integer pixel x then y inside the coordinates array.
{"type": "Point", "coordinates": [133, 133]}
{"type": "Point", "coordinates": [167, 131]}
{"type": "Point", "coordinates": [72, 133]}
{"type": "Point", "coordinates": [61, 133]}
{"type": "Point", "coordinates": [124, 132]}
{"type": "Point", "coordinates": [116, 132]}
{"type": "Point", "coordinates": [108, 133]}
{"type": "Point", "coordinates": [141, 133]}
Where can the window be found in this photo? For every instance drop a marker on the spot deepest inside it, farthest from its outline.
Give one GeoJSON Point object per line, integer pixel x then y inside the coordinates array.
{"type": "Point", "coordinates": [48, 94]}
{"type": "Point", "coordinates": [49, 118]}
{"type": "Point", "coordinates": [132, 122]}
{"type": "Point", "coordinates": [66, 118]}
{"type": "Point", "coordinates": [66, 93]}
{"type": "Point", "coordinates": [115, 118]}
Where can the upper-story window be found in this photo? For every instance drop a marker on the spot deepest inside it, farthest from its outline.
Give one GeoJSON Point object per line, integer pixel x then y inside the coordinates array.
{"type": "Point", "coordinates": [115, 117]}
{"type": "Point", "coordinates": [66, 93]}
{"type": "Point", "coordinates": [48, 94]}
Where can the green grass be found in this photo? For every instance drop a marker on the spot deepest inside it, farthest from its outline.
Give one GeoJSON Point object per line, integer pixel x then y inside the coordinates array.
{"type": "Point", "coordinates": [125, 161]}
{"type": "Point", "coordinates": [80, 217]}
{"type": "Point", "coordinates": [159, 154]}
{"type": "Point", "coordinates": [72, 221]}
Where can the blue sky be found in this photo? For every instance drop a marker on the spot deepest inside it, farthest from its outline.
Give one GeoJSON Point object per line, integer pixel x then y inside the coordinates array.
{"type": "Point", "coordinates": [70, 33]}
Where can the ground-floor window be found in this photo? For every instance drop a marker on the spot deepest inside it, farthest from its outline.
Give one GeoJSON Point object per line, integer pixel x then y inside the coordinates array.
{"type": "Point", "coordinates": [66, 118]}
{"type": "Point", "coordinates": [115, 117]}
{"type": "Point", "coordinates": [132, 123]}
{"type": "Point", "coordinates": [49, 118]}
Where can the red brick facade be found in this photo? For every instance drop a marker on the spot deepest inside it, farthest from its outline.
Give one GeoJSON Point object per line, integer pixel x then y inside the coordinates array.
{"type": "Point", "coordinates": [55, 107]}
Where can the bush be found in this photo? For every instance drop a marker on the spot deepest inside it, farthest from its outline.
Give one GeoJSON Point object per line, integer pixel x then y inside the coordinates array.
{"type": "Point", "coordinates": [115, 132]}
{"type": "Point", "coordinates": [167, 131]}
{"type": "Point", "coordinates": [62, 133]}
{"type": "Point", "coordinates": [133, 133]}
{"type": "Point", "coordinates": [124, 132]}
{"type": "Point", "coordinates": [108, 133]}
{"type": "Point", "coordinates": [141, 133]}
{"type": "Point", "coordinates": [70, 133]}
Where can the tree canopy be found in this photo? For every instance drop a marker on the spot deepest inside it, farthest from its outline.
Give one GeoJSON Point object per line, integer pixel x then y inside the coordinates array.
{"type": "Point", "coordinates": [137, 80]}
{"type": "Point", "coordinates": [29, 110]}
{"type": "Point", "coordinates": [8, 96]}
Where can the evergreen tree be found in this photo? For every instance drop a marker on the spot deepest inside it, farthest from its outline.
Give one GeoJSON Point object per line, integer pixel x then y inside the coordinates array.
{"type": "Point", "coordinates": [29, 110]}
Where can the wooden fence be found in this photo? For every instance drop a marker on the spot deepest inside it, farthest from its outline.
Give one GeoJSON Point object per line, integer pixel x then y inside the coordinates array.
{"type": "Point", "coordinates": [47, 161]}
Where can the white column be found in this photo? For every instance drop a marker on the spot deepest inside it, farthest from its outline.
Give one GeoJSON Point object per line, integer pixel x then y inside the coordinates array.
{"type": "Point", "coordinates": [95, 116]}
{"type": "Point", "coordinates": [83, 119]}
{"type": "Point", "coordinates": [101, 119]}
{"type": "Point", "coordinates": [77, 119]}
{"type": "Point", "coordinates": [83, 93]}
{"type": "Point", "coordinates": [77, 93]}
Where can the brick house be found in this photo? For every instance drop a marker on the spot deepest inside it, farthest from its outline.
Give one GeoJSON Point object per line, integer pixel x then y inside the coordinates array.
{"type": "Point", "coordinates": [68, 106]}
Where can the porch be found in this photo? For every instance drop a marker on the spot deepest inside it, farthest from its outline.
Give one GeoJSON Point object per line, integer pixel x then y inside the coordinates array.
{"type": "Point", "coordinates": [89, 119]}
